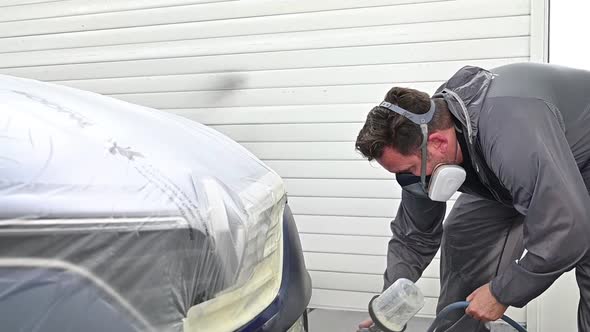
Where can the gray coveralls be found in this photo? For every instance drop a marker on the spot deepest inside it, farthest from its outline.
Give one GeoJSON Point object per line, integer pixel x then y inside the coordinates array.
{"type": "Point", "coordinates": [524, 130]}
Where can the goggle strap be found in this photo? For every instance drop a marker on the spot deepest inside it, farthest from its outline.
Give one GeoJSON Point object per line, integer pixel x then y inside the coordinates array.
{"type": "Point", "coordinates": [418, 119]}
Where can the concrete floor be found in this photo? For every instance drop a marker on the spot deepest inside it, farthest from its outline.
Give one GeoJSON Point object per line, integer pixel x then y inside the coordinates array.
{"type": "Point", "coordinates": [321, 320]}
{"type": "Point", "coordinates": [347, 321]}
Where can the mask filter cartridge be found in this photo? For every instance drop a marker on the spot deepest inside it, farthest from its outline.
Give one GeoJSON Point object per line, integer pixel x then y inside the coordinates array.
{"type": "Point", "coordinates": [445, 181]}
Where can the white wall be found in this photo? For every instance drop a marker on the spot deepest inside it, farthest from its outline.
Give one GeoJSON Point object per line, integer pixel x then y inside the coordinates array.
{"type": "Point", "coordinates": [556, 309]}
{"type": "Point", "coordinates": [567, 28]}
{"type": "Point", "coordinates": [291, 80]}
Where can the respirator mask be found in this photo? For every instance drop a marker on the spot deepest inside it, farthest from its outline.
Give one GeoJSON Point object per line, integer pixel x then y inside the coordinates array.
{"type": "Point", "coordinates": [445, 179]}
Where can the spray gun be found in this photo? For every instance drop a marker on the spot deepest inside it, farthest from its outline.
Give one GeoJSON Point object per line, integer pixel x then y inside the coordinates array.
{"type": "Point", "coordinates": [392, 310]}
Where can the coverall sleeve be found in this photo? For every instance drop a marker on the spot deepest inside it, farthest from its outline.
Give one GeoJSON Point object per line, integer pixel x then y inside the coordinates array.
{"type": "Point", "coordinates": [527, 149]}
{"type": "Point", "coordinates": [417, 231]}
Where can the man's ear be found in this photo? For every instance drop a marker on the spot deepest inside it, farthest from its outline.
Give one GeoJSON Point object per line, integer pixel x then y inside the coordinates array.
{"type": "Point", "coordinates": [438, 141]}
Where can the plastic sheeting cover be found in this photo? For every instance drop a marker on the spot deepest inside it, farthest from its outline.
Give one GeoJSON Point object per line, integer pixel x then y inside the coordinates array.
{"type": "Point", "coordinates": [120, 195]}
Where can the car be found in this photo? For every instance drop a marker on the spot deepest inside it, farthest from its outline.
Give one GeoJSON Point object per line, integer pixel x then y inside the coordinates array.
{"type": "Point", "coordinates": [120, 217]}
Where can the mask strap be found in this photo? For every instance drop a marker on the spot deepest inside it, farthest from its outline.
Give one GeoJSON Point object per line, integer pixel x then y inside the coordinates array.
{"type": "Point", "coordinates": [418, 119]}
{"type": "Point", "coordinates": [456, 148]}
{"type": "Point", "coordinates": [424, 128]}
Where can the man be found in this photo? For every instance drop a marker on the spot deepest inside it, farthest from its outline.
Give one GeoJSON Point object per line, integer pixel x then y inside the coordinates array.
{"type": "Point", "coordinates": [520, 136]}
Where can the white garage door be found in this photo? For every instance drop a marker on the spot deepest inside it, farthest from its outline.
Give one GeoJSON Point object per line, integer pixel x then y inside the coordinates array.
{"type": "Point", "coordinates": [291, 80]}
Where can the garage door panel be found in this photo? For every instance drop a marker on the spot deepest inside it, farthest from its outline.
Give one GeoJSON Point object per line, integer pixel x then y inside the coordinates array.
{"type": "Point", "coordinates": [82, 15]}
{"type": "Point", "coordinates": [411, 33]}
{"type": "Point", "coordinates": [9, 3]}
{"type": "Point", "coordinates": [328, 169]}
{"type": "Point", "coordinates": [361, 207]}
{"type": "Point", "coordinates": [489, 48]}
{"type": "Point", "coordinates": [292, 114]}
{"type": "Point", "coordinates": [343, 188]}
{"type": "Point", "coordinates": [339, 225]}
{"type": "Point", "coordinates": [369, 93]}
{"type": "Point", "coordinates": [329, 76]}
{"type": "Point", "coordinates": [371, 283]}
{"type": "Point", "coordinates": [362, 264]}
{"type": "Point", "coordinates": [32, 10]}
{"type": "Point", "coordinates": [347, 244]}
{"type": "Point", "coordinates": [368, 207]}
{"type": "Point", "coordinates": [90, 15]}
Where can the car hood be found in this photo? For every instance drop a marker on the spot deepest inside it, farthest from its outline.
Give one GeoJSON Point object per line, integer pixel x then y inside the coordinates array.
{"type": "Point", "coordinates": [72, 153]}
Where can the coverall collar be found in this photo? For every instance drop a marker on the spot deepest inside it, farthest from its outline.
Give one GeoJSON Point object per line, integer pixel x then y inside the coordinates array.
{"type": "Point", "coordinates": [465, 93]}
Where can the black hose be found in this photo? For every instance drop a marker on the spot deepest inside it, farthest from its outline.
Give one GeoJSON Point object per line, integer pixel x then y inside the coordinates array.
{"type": "Point", "coordinates": [462, 305]}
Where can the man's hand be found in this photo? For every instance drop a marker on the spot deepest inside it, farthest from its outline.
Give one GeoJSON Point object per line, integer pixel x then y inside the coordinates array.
{"type": "Point", "coordinates": [484, 306]}
{"type": "Point", "coordinates": [366, 323]}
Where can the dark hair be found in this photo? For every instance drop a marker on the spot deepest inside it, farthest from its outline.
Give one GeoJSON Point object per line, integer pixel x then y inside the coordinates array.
{"type": "Point", "coordinates": [386, 128]}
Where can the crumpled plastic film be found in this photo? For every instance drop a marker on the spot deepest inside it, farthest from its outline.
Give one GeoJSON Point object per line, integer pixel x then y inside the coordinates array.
{"type": "Point", "coordinates": [124, 217]}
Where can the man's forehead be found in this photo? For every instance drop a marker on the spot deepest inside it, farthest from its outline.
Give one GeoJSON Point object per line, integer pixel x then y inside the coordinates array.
{"type": "Point", "coordinates": [392, 155]}
{"type": "Point", "coordinates": [394, 161]}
